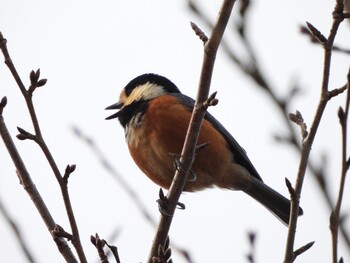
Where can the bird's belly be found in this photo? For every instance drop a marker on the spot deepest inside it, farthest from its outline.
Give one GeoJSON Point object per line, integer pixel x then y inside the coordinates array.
{"type": "Point", "coordinates": [158, 159]}
{"type": "Point", "coordinates": [157, 143]}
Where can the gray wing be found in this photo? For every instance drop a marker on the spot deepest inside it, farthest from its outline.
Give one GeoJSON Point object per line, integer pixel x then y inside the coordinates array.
{"type": "Point", "coordinates": [238, 153]}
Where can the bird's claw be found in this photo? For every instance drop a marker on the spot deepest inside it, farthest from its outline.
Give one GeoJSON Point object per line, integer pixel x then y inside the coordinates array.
{"type": "Point", "coordinates": [192, 177]}
{"type": "Point", "coordinates": [163, 203]}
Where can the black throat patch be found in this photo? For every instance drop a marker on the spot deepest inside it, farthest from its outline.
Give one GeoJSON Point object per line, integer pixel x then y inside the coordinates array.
{"type": "Point", "coordinates": [128, 112]}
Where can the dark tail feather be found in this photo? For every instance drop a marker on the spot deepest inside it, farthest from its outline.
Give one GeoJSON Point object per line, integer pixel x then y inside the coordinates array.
{"type": "Point", "coordinates": [272, 200]}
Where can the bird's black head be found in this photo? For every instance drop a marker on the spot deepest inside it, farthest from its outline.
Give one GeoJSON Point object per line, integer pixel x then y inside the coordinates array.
{"type": "Point", "coordinates": [137, 93]}
{"type": "Point", "coordinates": [153, 80]}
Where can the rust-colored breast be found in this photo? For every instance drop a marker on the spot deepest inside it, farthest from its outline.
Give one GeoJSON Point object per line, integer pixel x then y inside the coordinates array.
{"type": "Point", "coordinates": [161, 137]}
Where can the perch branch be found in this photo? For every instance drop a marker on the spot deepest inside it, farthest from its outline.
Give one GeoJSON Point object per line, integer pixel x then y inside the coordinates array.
{"type": "Point", "coordinates": [126, 187]}
{"type": "Point", "coordinates": [188, 151]}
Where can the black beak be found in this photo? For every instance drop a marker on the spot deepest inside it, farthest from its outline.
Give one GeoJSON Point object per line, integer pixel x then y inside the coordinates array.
{"type": "Point", "coordinates": [114, 106]}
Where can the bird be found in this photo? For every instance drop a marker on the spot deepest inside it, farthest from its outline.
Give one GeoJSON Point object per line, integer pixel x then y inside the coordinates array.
{"type": "Point", "coordinates": [155, 116]}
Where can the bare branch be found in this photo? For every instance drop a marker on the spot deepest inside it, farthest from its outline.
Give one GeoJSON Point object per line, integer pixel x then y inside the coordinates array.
{"type": "Point", "coordinates": [32, 191]}
{"type": "Point", "coordinates": [35, 82]}
{"type": "Point", "coordinates": [17, 233]}
{"type": "Point", "coordinates": [188, 151]}
{"type": "Point", "coordinates": [307, 144]}
{"type": "Point", "coordinates": [3, 104]}
{"type": "Point", "coordinates": [115, 174]}
{"type": "Point", "coordinates": [336, 92]}
{"type": "Point", "coordinates": [335, 215]}
{"type": "Point", "coordinates": [125, 186]}
{"type": "Point", "coordinates": [10, 65]}
{"type": "Point", "coordinates": [258, 74]}
{"type": "Point", "coordinates": [305, 30]}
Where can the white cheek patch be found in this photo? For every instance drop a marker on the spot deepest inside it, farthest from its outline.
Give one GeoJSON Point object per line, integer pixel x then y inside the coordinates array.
{"type": "Point", "coordinates": [146, 91]}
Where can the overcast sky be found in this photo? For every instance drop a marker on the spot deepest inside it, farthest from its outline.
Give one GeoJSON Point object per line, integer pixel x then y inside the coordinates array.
{"type": "Point", "coordinates": [88, 51]}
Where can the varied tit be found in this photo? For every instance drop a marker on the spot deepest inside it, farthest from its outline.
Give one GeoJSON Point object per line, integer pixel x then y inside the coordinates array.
{"type": "Point", "coordinates": [155, 116]}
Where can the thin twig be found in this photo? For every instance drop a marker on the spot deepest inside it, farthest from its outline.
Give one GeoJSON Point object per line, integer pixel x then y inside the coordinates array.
{"type": "Point", "coordinates": [27, 94]}
{"type": "Point", "coordinates": [335, 215]}
{"type": "Point", "coordinates": [307, 143]}
{"type": "Point", "coordinates": [126, 187]}
{"type": "Point", "coordinates": [188, 151]}
{"type": "Point", "coordinates": [60, 179]}
{"type": "Point", "coordinates": [115, 174]}
{"type": "Point", "coordinates": [305, 30]}
{"type": "Point", "coordinates": [257, 74]}
{"type": "Point", "coordinates": [17, 233]}
{"type": "Point", "coordinates": [32, 191]}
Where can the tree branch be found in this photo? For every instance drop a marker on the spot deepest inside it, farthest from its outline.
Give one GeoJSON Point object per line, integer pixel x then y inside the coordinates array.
{"type": "Point", "coordinates": [126, 187]}
{"type": "Point", "coordinates": [17, 232]}
{"type": "Point", "coordinates": [31, 189]}
{"type": "Point", "coordinates": [335, 215]}
{"type": "Point", "coordinates": [307, 143]}
{"type": "Point", "coordinates": [252, 69]}
{"type": "Point", "coordinates": [187, 154]}
{"type": "Point", "coordinates": [38, 138]}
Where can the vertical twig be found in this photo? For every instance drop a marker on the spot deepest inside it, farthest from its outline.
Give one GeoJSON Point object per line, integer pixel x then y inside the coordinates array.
{"type": "Point", "coordinates": [252, 69]}
{"type": "Point", "coordinates": [187, 154]}
{"type": "Point", "coordinates": [28, 94]}
{"type": "Point", "coordinates": [307, 143]}
{"type": "Point", "coordinates": [335, 215]}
